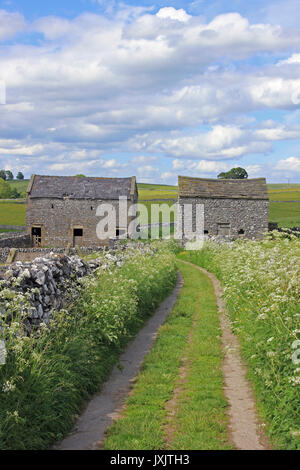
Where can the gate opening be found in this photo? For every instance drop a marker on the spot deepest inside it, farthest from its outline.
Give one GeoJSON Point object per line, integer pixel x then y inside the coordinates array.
{"type": "Point", "coordinates": [36, 235]}
{"type": "Point", "coordinates": [77, 236]}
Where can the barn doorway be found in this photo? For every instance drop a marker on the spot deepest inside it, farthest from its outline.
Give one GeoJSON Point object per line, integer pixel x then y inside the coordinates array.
{"type": "Point", "coordinates": [77, 236]}
{"type": "Point", "coordinates": [36, 236]}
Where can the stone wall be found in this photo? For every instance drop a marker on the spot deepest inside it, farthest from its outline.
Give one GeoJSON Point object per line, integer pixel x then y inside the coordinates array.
{"type": "Point", "coordinates": [4, 252]}
{"type": "Point", "coordinates": [29, 254]}
{"type": "Point", "coordinates": [20, 228]}
{"type": "Point", "coordinates": [11, 234]}
{"type": "Point", "coordinates": [247, 218]}
{"type": "Point", "coordinates": [15, 241]}
{"type": "Point", "coordinates": [59, 217]}
{"type": "Point", "coordinates": [54, 280]}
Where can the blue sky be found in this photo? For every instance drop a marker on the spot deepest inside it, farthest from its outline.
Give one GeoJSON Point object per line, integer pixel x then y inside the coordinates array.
{"type": "Point", "coordinates": [154, 89]}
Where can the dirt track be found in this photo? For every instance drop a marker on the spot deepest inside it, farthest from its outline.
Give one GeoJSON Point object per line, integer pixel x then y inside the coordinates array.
{"type": "Point", "coordinates": [105, 407]}
{"type": "Point", "coordinates": [245, 429]}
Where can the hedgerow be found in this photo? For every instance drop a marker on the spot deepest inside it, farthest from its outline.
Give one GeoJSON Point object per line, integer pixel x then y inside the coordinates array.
{"type": "Point", "coordinates": [48, 376]}
{"type": "Point", "coordinates": [262, 288]}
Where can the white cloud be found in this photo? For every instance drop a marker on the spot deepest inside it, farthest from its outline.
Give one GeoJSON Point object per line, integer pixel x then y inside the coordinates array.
{"type": "Point", "coordinates": [147, 83]}
{"type": "Point", "coordinates": [278, 132]}
{"type": "Point", "coordinates": [147, 170]}
{"type": "Point", "coordinates": [221, 143]}
{"type": "Point", "coordinates": [255, 171]}
{"type": "Point", "coordinates": [291, 164]}
{"type": "Point", "coordinates": [173, 14]}
{"type": "Point", "coordinates": [203, 166]}
{"type": "Point", "coordinates": [10, 24]}
{"type": "Point", "coordinates": [293, 59]}
{"type": "Point", "coordinates": [142, 159]}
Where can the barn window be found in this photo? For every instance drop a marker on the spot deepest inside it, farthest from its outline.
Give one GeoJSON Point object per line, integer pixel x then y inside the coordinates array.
{"type": "Point", "coordinates": [78, 232]}
{"type": "Point", "coordinates": [120, 231]}
{"type": "Point", "coordinates": [223, 229]}
{"type": "Point", "coordinates": [52, 206]}
{"type": "Point", "coordinates": [91, 208]}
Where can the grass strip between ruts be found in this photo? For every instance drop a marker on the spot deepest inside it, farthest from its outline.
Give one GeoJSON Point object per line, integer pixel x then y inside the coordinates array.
{"type": "Point", "coordinates": [199, 420]}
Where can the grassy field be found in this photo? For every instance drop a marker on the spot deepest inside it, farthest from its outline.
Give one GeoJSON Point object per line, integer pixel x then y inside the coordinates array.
{"type": "Point", "coordinates": [188, 343]}
{"type": "Point", "coordinates": [156, 191]}
{"type": "Point", "coordinates": [12, 213]}
{"type": "Point", "coordinates": [287, 214]}
{"type": "Point", "coordinates": [20, 186]}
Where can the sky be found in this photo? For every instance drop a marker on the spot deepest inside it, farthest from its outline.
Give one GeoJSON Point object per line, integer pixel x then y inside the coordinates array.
{"type": "Point", "coordinates": [150, 88]}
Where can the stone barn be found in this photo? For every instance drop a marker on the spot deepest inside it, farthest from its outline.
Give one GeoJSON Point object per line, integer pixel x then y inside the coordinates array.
{"type": "Point", "coordinates": [234, 208]}
{"type": "Point", "coordinates": [64, 210]}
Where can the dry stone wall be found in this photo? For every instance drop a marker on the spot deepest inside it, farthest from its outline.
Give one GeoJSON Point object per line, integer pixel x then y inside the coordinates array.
{"type": "Point", "coordinates": [54, 280]}
{"type": "Point", "coordinates": [15, 241]}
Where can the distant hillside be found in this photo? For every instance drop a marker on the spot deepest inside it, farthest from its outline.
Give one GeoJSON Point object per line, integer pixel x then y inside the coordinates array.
{"type": "Point", "coordinates": [20, 186]}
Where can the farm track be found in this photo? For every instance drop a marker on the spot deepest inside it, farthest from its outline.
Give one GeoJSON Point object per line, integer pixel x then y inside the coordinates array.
{"type": "Point", "coordinates": [104, 408]}
{"type": "Point", "coordinates": [245, 430]}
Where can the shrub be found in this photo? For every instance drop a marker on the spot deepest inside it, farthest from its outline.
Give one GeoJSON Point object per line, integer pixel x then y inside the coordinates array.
{"type": "Point", "coordinates": [5, 190]}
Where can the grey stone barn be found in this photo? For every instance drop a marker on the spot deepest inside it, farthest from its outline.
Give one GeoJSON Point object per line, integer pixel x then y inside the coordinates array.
{"type": "Point", "coordinates": [62, 210]}
{"type": "Point", "coordinates": [235, 208]}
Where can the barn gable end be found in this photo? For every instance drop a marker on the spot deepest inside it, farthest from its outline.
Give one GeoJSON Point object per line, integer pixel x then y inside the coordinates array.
{"type": "Point", "coordinates": [232, 208]}
{"type": "Point", "coordinates": [61, 210]}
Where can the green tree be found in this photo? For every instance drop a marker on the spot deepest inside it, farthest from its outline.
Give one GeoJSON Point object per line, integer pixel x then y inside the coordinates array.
{"type": "Point", "coordinates": [235, 174]}
{"type": "Point", "coordinates": [20, 176]}
{"type": "Point", "coordinates": [9, 175]}
{"type": "Point", "coordinates": [5, 190]}
{"type": "Point", "coordinates": [15, 193]}
{"type": "Point", "coordinates": [3, 174]}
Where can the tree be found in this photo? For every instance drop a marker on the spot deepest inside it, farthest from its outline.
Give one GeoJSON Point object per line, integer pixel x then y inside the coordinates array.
{"type": "Point", "coordinates": [14, 194]}
{"type": "Point", "coordinates": [3, 174]}
{"type": "Point", "coordinates": [235, 174]}
{"type": "Point", "coordinates": [20, 176]}
{"type": "Point", "coordinates": [9, 175]}
{"type": "Point", "coordinates": [5, 190]}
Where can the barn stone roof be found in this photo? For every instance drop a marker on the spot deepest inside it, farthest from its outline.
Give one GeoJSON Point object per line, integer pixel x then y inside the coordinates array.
{"type": "Point", "coordinates": [73, 187]}
{"type": "Point", "coordinates": [222, 189]}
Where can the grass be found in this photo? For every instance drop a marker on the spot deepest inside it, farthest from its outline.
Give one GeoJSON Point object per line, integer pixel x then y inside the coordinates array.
{"type": "Point", "coordinates": [146, 218]}
{"type": "Point", "coordinates": [2, 230]}
{"type": "Point", "coordinates": [199, 420]}
{"type": "Point", "coordinates": [285, 196]}
{"type": "Point", "coordinates": [156, 191]}
{"type": "Point", "coordinates": [12, 213]}
{"type": "Point", "coordinates": [283, 187]}
{"type": "Point", "coordinates": [285, 214]}
{"type": "Point", "coordinates": [20, 186]}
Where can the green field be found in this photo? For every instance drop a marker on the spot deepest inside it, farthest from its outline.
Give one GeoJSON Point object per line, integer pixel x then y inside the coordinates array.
{"type": "Point", "coordinates": [285, 213]}
{"type": "Point", "coordinates": [156, 191]}
{"type": "Point", "coordinates": [12, 213]}
{"type": "Point", "coordinates": [20, 186]}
